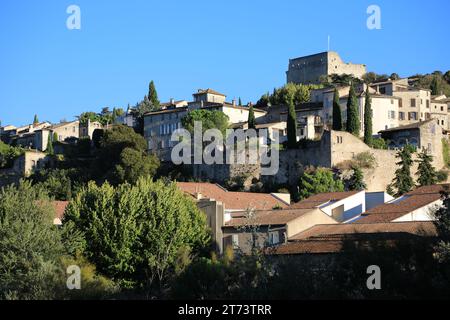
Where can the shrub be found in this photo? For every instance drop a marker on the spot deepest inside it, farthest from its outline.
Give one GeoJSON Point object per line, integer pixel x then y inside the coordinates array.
{"type": "Point", "coordinates": [365, 160]}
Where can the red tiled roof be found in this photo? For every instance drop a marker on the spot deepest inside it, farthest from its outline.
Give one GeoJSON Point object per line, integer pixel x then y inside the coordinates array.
{"type": "Point", "coordinates": [411, 201]}
{"type": "Point", "coordinates": [211, 91]}
{"type": "Point", "coordinates": [267, 217]}
{"type": "Point", "coordinates": [332, 240]}
{"type": "Point", "coordinates": [232, 200]}
{"type": "Point", "coordinates": [321, 198]}
{"type": "Point", "coordinates": [60, 207]}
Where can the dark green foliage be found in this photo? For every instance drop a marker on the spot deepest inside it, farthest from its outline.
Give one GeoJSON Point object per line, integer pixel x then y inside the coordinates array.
{"type": "Point", "coordinates": [59, 184]}
{"type": "Point", "coordinates": [298, 93]}
{"type": "Point", "coordinates": [356, 182]}
{"type": "Point", "coordinates": [97, 136]}
{"type": "Point", "coordinates": [240, 102]}
{"type": "Point", "coordinates": [426, 172]}
{"type": "Point", "coordinates": [292, 127]}
{"type": "Point", "coordinates": [153, 95]}
{"type": "Point", "coordinates": [379, 143]}
{"type": "Point", "coordinates": [8, 154]}
{"type": "Point", "coordinates": [353, 125]}
{"type": "Point", "coordinates": [31, 246]}
{"type": "Point", "coordinates": [319, 181]}
{"type": "Point", "coordinates": [209, 119]}
{"type": "Point", "coordinates": [50, 149]}
{"type": "Point", "coordinates": [435, 86]}
{"type": "Point", "coordinates": [35, 120]}
{"type": "Point", "coordinates": [251, 118]}
{"type": "Point", "coordinates": [122, 157]}
{"type": "Point", "coordinates": [368, 119]}
{"type": "Point", "coordinates": [442, 175]}
{"type": "Point", "coordinates": [403, 182]}
{"type": "Point", "coordinates": [337, 113]}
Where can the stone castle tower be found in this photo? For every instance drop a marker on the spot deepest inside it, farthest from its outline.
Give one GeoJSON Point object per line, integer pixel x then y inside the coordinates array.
{"type": "Point", "coordinates": [309, 69]}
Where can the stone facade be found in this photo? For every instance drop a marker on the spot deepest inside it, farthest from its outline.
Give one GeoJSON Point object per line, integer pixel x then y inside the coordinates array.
{"type": "Point", "coordinates": [310, 69]}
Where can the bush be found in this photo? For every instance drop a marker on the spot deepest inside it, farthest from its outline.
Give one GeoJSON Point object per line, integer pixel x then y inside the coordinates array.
{"type": "Point", "coordinates": [442, 175]}
{"type": "Point", "coordinates": [379, 143]}
{"type": "Point", "coordinates": [365, 160]}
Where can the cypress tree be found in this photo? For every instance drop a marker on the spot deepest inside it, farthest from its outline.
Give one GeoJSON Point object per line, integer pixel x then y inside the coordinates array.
{"type": "Point", "coordinates": [425, 171]}
{"type": "Point", "coordinates": [337, 114]}
{"type": "Point", "coordinates": [357, 180]}
{"type": "Point", "coordinates": [251, 118]}
{"type": "Point", "coordinates": [435, 86]}
{"type": "Point", "coordinates": [240, 101]}
{"type": "Point", "coordinates": [50, 150]}
{"type": "Point", "coordinates": [352, 112]}
{"type": "Point", "coordinates": [291, 126]}
{"type": "Point", "coordinates": [55, 137]}
{"type": "Point", "coordinates": [403, 182]}
{"type": "Point", "coordinates": [368, 119]}
{"type": "Point", "coordinates": [153, 95]}
{"type": "Point", "coordinates": [35, 120]}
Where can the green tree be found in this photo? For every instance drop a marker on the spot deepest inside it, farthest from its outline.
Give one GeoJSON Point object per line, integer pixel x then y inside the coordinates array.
{"type": "Point", "coordinates": [426, 172]}
{"type": "Point", "coordinates": [153, 95]}
{"type": "Point", "coordinates": [251, 118]}
{"type": "Point", "coordinates": [55, 137]}
{"type": "Point", "coordinates": [435, 86]}
{"type": "Point", "coordinates": [240, 102]}
{"type": "Point", "coordinates": [209, 119]}
{"type": "Point", "coordinates": [319, 181]}
{"type": "Point", "coordinates": [353, 125]}
{"type": "Point", "coordinates": [91, 116]}
{"type": "Point", "coordinates": [122, 156]}
{"type": "Point", "coordinates": [337, 114]}
{"type": "Point", "coordinates": [50, 149]}
{"type": "Point", "coordinates": [357, 180]}
{"type": "Point", "coordinates": [442, 223]}
{"type": "Point", "coordinates": [30, 245]}
{"type": "Point", "coordinates": [292, 127]}
{"type": "Point", "coordinates": [134, 233]}
{"type": "Point", "coordinates": [403, 182]}
{"type": "Point", "coordinates": [368, 114]}
{"type": "Point", "coordinates": [35, 120]}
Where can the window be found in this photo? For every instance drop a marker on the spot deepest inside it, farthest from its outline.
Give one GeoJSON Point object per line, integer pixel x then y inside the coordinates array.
{"type": "Point", "coordinates": [401, 115]}
{"type": "Point", "coordinates": [413, 102]}
{"type": "Point", "coordinates": [421, 101]}
{"type": "Point", "coordinates": [383, 90]}
{"type": "Point", "coordinates": [400, 103]}
{"type": "Point", "coordinates": [392, 114]}
{"type": "Point", "coordinates": [428, 104]}
{"type": "Point", "coordinates": [412, 116]}
{"type": "Point", "coordinates": [442, 108]}
{"type": "Point", "coordinates": [274, 238]}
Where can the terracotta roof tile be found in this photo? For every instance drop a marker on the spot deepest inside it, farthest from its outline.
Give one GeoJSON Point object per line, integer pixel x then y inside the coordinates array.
{"type": "Point", "coordinates": [232, 200]}
{"type": "Point", "coordinates": [321, 198]}
{"type": "Point", "coordinates": [409, 202]}
{"type": "Point", "coordinates": [268, 217]}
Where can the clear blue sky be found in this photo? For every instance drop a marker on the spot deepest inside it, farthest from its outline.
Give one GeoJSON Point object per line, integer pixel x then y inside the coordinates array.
{"type": "Point", "coordinates": [240, 48]}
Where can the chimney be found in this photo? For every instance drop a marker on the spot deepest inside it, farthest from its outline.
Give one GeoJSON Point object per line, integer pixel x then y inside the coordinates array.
{"type": "Point", "coordinates": [233, 102]}
{"type": "Point", "coordinates": [198, 196]}
{"type": "Point", "coordinates": [172, 101]}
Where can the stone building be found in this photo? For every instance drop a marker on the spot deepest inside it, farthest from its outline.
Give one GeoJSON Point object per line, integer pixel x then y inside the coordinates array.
{"type": "Point", "coordinates": [310, 69]}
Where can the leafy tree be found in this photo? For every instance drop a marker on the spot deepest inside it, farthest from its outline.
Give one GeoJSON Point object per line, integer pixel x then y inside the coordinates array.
{"type": "Point", "coordinates": [319, 181]}
{"type": "Point", "coordinates": [97, 137]}
{"type": "Point", "coordinates": [8, 154]}
{"type": "Point", "coordinates": [337, 114]}
{"type": "Point", "coordinates": [447, 77]}
{"type": "Point", "coordinates": [134, 233]}
{"type": "Point", "coordinates": [251, 118]}
{"type": "Point", "coordinates": [264, 101]}
{"type": "Point", "coordinates": [403, 182]}
{"type": "Point", "coordinates": [394, 76]}
{"type": "Point", "coordinates": [209, 119]}
{"type": "Point", "coordinates": [91, 116]}
{"type": "Point", "coordinates": [30, 246]}
{"type": "Point", "coordinates": [292, 127]}
{"type": "Point", "coordinates": [368, 114]}
{"type": "Point", "coordinates": [55, 137]}
{"type": "Point", "coordinates": [357, 180]}
{"type": "Point", "coordinates": [120, 147]}
{"type": "Point", "coordinates": [353, 125]}
{"type": "Point", "coordinates": [35, 120]}
{"type": "Point", "coordinates": [298, 93]}
{"type": "Point", "coordinates": [426, 172]}
{"type": "Point", "coordinates": [57, 183]}
{"type": "Point", "coordinates": [153, 95]}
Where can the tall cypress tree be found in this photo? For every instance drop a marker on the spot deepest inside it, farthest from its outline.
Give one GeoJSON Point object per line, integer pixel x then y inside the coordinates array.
{"type": "Point", "coordinates": [50, 150]}
{"type": "Point", "coordinates": [368, 118]}
{"type": "Point", "coordinates": [153, 95]}
{"type": "Point", "coordinates": [291, 126]}
{"type": "Point", "coordinates": [353, 125]}
{"type": "Point", "coordinates": [426, 172]}
{"type": "Point", "coordinates": [251, 118]}
{"type": "Point", "coordinates": [435, 86]}
{"type": "Point", "coordinates": [403, 182]}
{"type": "Point", "coordinates": [35, 120]}
{"type": "Point", "coordinates": [337, 114]}
{"type": "Point", "coordinates": [240, 101]}
{"type": "Point", "coordinates": [357, 180]}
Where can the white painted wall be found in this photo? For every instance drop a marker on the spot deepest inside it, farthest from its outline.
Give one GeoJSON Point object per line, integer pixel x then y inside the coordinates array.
{"type": "Point", "coordinates": [422, 214]}
{"type": "Point", "coordinates": [353, 206]}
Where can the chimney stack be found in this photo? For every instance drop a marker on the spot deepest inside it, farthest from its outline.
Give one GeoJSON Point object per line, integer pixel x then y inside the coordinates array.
{"type": "Point", "coordinates": [233, 102]}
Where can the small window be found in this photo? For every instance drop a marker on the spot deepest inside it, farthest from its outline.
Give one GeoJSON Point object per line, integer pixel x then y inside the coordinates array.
{"type": "Point", "coordinates": [413, 102]}
{"type": "Point", "coordinates": [274, 238]}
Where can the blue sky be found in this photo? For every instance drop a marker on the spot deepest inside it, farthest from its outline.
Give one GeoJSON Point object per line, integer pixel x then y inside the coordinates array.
{"type": "Point", "coordinates": [240, 48]}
